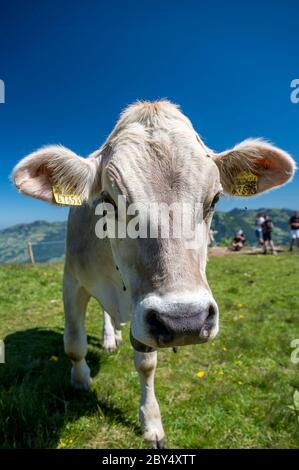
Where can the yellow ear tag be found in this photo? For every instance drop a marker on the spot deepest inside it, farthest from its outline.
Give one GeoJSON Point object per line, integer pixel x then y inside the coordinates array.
{"type": "Point", "coordinates": [245, 184]}
{"type": "Point", "coordinates": [66, 199]}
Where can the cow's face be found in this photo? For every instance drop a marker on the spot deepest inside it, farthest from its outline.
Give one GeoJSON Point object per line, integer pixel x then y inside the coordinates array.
{"type": "Point", "coordinates": [155, 160]}
{"type": "Point", "coordinates": [174, 190]}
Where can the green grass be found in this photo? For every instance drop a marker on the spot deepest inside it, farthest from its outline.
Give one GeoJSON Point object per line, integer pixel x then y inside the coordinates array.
{"type": "Point", "coordinates": [243, 400]}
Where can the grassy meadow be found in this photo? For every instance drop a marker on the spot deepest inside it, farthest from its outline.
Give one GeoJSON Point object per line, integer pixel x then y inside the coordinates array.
{"type": "Point", "coordinates": [236, 392]}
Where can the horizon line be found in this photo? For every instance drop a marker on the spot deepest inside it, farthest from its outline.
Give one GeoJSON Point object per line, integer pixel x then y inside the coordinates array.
{"type": "Point", "coordinates": [5, 227]}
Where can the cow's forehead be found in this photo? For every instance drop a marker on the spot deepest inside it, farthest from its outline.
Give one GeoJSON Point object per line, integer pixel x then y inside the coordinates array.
{"type": "Point", "coordinates": [160, 114]}
{"type": "Point", "coordinates": [155, 152]}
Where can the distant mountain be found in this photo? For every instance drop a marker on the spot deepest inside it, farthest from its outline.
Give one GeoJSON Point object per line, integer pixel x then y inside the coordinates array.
{"type": "Point", "coordinates": [48, 238]}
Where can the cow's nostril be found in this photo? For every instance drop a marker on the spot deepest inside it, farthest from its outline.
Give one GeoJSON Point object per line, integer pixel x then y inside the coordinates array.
{"type": "Point", "coordinates": [211, 313]}
{"type": "Point", "coordinates": [157, 327]}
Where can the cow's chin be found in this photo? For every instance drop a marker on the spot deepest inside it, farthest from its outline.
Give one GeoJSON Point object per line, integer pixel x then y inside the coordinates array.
{"type": "Point", "coordinates": [146, 343]}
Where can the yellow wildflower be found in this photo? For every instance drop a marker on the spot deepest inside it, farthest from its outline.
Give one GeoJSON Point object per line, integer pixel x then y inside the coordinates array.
{"type": "Point", "coordinates": [200, 374]}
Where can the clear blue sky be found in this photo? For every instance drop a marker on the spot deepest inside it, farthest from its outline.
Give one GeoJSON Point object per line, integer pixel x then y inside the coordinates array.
{"type": "Point", "coordinates": [70, 67]}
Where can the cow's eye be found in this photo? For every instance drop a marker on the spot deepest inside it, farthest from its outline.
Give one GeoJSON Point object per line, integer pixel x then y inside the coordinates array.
{"type": "Point", "coordinates": [106, 198]}
{"type": "Point", "coordinates": [215, 200]}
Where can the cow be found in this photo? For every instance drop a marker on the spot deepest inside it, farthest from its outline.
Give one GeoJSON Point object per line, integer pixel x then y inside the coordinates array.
{"type": "Point", "coordinates": [157, 283]}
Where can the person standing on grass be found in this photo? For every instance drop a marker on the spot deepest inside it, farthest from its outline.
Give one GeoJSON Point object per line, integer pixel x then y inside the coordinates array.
{"type": "Point", "coordinates": [294, 224]}
{"type": "Point", "coordinates": [267, 227]}
{"type": "Point", "coordinates": [212, 241]}
{"type": "Point", "coordinates": [259, 220]}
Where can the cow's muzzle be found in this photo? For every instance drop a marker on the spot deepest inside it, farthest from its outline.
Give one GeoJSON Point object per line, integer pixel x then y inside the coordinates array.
{"type": "Point", "coordinates": [177, 326]}
{"type": "Point", "coordinates": [180, 329]}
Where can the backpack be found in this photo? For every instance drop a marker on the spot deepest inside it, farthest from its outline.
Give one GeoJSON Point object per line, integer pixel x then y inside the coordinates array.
{"type": "Point", "coordinates": [268, 225]}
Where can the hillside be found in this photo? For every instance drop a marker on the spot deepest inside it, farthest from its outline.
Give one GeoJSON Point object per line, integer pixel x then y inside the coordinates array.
{"type": "Point", "coordinates": [48, 238]}
{"type": "Point", "coordinates": [47, 241]}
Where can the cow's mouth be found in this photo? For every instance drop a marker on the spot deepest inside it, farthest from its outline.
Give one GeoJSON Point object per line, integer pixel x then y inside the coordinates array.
{"type": "Point", "coordinates": [138, 346]}
{"type": "Point", "coordinates": [166, 340]}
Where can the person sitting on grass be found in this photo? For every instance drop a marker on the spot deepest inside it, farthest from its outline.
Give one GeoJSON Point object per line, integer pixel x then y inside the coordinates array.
{"type": "Point", "coordinates": [267, 228]}
{"type": "Point", "coordinates": [294, 224]}
{"type": "Point", "coordinates": [238, 241]}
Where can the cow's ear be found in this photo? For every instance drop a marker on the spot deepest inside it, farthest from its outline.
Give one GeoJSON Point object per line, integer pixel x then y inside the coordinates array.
{"type": "Point", "coordinates": [254, 166]}
{"type": "Point", "coordinates": [52, 167]}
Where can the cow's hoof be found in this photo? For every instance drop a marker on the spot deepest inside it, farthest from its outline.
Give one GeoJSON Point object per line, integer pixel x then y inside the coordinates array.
{"type": "Point", "coordinates": [155, 435]}
{"type": "Point", "coordinates": [81, 385]}
{"type": "Point", "coordinates": [111, 343]}
{"type": "Point", "coordinates": [158, 444]}
{"type": "Point", "coordinates": [80, 376]}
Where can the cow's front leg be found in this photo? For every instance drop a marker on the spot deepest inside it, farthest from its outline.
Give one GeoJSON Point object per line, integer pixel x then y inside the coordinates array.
{"type": "Point", "coordinates": [75, 341]}
{"type": "Point", "coordinates": [149, 411]}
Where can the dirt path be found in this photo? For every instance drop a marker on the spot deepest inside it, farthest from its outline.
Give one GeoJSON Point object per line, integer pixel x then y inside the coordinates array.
{"type": "Point", "coordinates": [221, 251]}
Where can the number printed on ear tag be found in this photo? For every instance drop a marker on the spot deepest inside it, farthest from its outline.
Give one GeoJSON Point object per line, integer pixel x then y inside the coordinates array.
{"type": "Point", "coordinates": [66, 199]}
{"type": "Point", "coordinates": [245, 184]}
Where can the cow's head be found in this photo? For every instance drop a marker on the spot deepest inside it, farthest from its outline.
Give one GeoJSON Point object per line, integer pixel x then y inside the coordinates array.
{"type": "Point", "coordinates": [154, 155]}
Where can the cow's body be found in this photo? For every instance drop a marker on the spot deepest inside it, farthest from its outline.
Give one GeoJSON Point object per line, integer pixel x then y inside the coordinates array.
{"type": "Point", "coordinates": [100, 280]}
{"type": "Point", "coordinates": [89, 260]}
{"type": "Point", "coordinates": [83, 278]}
{"type": "Point", "coordinates": [153, 154]}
